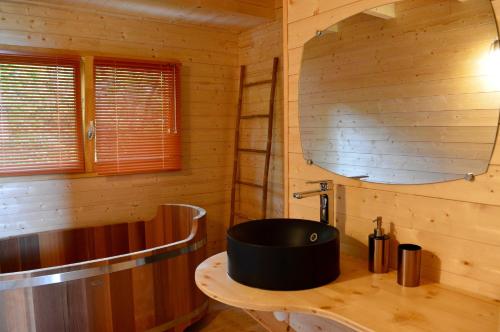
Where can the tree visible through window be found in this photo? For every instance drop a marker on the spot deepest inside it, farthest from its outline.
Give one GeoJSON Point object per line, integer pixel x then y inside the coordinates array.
{"type": "Point", "coordinates": [40, 115]}
{"type": "Point", "coordinates": [137, 116]}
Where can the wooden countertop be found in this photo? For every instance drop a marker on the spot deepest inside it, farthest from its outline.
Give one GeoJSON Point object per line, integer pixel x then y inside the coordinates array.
{"type": "Point", "coordinates": [360, 300]}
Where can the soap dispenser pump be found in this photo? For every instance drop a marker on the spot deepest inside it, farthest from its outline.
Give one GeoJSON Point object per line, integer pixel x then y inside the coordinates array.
{"type": "Point", "coordinates": [378, 247]}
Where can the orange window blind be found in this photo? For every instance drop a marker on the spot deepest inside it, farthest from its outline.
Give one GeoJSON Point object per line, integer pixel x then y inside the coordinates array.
{"type": "Point", "coordinates": [40, 115]}
{"type": "Point", "coordinates": [136, 116]}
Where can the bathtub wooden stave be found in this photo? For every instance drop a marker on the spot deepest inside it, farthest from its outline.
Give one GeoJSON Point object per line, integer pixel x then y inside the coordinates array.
{"type": "Point", "coordinates": [123, 277]}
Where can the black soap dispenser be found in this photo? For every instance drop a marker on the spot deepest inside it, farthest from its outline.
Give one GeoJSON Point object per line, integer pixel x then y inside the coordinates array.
{"type": "Point", "coordinates": [378, 249]}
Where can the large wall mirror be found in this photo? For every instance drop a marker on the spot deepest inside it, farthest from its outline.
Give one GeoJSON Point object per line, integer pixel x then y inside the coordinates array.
{"type": "Point", "coordinates": [404, 93]}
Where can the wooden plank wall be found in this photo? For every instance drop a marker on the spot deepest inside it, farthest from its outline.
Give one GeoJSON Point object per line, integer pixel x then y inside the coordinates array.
{"type": "Point", "coordinates": [257, 48]}
{"type": "Point", "coordinates": [209, 77]}
{"type": "Point", "coordinates": [404, 100]}
{"type": "Point", "coordinates": [457, 222]}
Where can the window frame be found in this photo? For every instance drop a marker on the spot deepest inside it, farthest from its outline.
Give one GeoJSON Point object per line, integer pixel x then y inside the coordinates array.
{"type": "Point", "coordinates": [86, 105]}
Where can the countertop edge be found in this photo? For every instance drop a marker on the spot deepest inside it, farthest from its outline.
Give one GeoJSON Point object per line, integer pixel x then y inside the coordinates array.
{"type": "Point", "coordinates": [214, 265]}
{"type": "Point", "coordinates": [269, 308]}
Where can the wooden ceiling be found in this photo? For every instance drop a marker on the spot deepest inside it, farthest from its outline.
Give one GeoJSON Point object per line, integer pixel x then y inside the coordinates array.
{"type": "Point", "coordinates": [234, 14]}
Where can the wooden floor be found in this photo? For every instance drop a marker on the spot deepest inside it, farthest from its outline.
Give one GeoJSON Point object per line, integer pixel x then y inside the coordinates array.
{"type": "Point", "coordinates": [222, 318]}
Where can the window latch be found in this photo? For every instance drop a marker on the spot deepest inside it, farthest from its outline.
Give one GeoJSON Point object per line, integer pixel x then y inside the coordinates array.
{"type": "Point", "coordinates": [91, 131]}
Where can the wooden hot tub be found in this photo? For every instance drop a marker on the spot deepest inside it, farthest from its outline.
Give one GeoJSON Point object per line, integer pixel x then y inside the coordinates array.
{"type": "Point", "coordinates": [122, 277]}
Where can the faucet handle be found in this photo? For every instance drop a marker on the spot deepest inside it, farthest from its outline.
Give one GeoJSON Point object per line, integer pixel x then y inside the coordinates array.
{"type": "Point", "coordinates": [319, 181]}
{"type": "Point", "coordinates": [324, 184]}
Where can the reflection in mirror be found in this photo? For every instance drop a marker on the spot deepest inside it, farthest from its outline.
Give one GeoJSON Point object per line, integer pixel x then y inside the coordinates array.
{"type": "Point", "coordinates": [404, 93]}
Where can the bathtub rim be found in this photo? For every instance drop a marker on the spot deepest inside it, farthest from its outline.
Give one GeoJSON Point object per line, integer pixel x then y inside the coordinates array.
{"type": "Point", "coordinates": [75, 271]}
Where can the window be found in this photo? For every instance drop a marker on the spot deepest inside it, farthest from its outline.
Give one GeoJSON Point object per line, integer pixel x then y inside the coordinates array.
{"type": "Point", "coordinates": [40, 115]}
{"type": "Point", "coordinates": [136, 116]}
{"type": "Point", "coordinates": [137, 125]}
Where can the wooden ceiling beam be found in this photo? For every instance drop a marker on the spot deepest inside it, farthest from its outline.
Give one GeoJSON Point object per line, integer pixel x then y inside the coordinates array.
{"type": "Point", "coordinates": [234, 13]}
{"type": "Point", "coordinates": [386, 12]}
{"type": "Point", "coordinates": [259, 9]}
{"type": "Point", "coordinates": [333, 29]}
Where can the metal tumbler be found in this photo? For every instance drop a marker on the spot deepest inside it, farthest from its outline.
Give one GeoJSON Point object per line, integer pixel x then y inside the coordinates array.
{"type": "Point", "coordinates": [409, 258]}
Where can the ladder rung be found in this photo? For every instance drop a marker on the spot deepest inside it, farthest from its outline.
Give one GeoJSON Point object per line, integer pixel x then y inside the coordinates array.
{"type": "Point", "coordinates": [257, 83]}
{"type": "Point", "coordinates": [241, 215]}
{"type": "Point", "coordinates": [253, 150]}
{"type": "Point", "coordinates": [255, 116]}
{"type": "Point", "coordinates": [250, 184]}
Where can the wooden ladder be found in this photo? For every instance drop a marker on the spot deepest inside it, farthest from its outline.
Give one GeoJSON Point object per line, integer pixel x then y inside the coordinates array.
{"type": "Point", "coordinates": [267, 151]}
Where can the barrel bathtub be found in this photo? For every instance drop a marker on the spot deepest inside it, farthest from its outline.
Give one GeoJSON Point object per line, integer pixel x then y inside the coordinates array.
{"type": "Point", "coordinates": [122, 277]}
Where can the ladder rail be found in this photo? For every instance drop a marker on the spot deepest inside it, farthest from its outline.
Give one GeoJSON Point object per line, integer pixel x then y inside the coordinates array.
{"type": "Point", "coordinates": [270, 125]}
{"type": "Point", "coordinates": [237, 145]}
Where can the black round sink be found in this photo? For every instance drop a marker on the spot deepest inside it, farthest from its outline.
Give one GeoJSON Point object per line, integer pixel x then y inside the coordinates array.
{"type": "Point", "coordinates": [283, 254]}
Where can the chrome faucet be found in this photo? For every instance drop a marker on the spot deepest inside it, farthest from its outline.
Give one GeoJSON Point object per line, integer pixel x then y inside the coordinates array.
{"type": "Point", "coordinates": [324, 192]}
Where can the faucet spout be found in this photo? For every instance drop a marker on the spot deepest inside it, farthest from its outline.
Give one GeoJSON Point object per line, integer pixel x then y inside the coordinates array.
{"type": "Point", "coordinates": [305, 194]}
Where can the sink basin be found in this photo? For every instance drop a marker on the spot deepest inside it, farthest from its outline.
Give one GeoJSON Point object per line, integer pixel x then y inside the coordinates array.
{"type": "Point", "coordinates": [283, 254]}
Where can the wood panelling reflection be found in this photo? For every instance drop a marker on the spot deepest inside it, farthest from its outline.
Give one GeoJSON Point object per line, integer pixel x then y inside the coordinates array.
{"type": "Point", "coordinates": [380, 97]}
